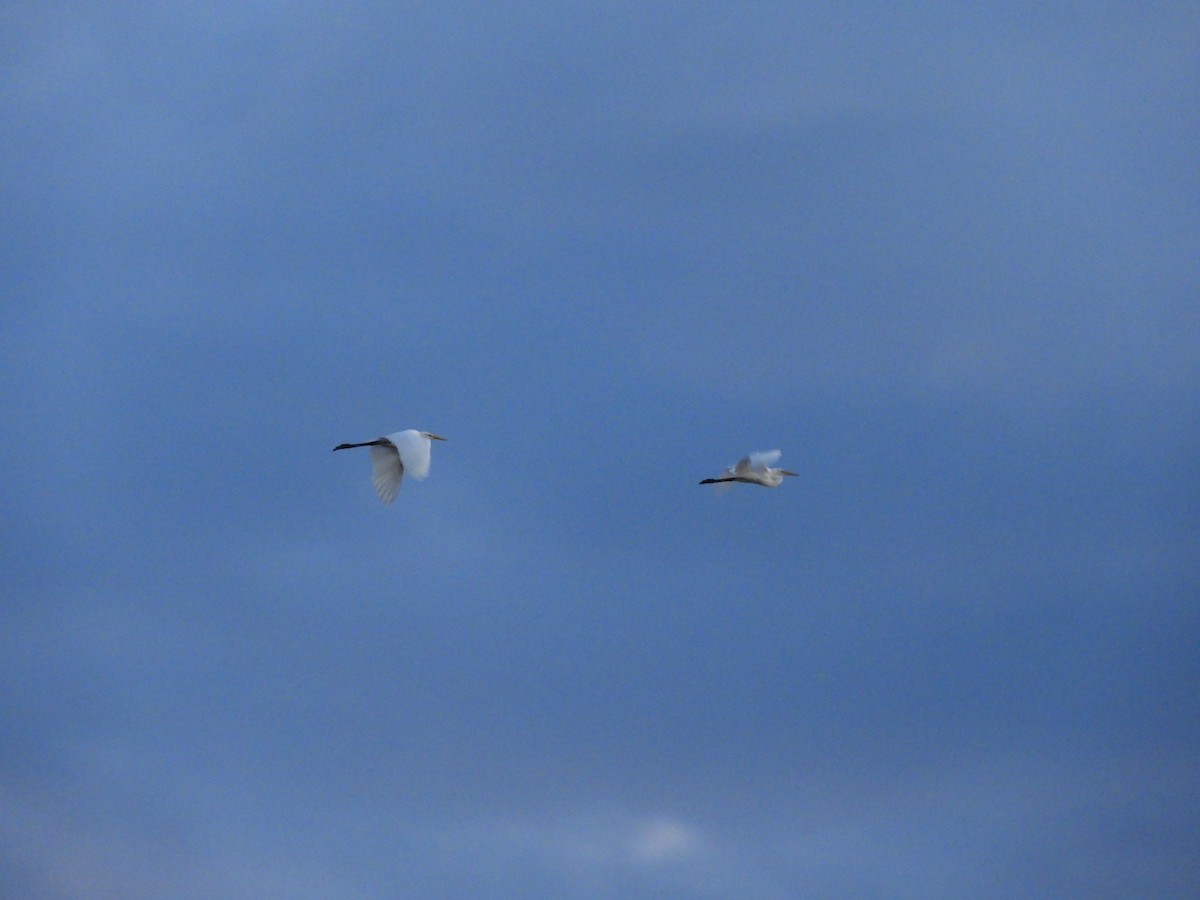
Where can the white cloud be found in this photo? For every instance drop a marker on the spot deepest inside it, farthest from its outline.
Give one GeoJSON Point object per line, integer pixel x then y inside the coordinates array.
{"type": "Point", "coordinates": [662, 840]}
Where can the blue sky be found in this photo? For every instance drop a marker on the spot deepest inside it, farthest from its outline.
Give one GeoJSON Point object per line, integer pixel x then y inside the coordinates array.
{"type": "Point", "coordinates": [947, 259]}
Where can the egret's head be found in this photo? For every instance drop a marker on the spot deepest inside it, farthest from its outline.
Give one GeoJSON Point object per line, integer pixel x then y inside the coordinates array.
{"type": "Point", "coordinates": [432, 437]}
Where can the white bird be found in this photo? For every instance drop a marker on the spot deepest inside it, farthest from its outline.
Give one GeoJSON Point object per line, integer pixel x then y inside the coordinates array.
{"type": "Point", "coordinates": [753, 469]}
{"type": "Point", "coordinates": [394, 455]}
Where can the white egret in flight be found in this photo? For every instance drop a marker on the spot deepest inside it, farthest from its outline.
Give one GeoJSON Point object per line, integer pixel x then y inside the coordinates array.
{"type": "Point", "coordinates": [395, 455]}
{"type": "Point", "coordinates": [753, 469]}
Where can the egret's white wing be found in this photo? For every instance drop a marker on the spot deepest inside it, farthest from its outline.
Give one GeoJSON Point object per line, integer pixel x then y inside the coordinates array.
{"type": "Point", "coordinates": [388, 472]}
{"type": "Point", "coordinates": [414, 451]}
{"type": "Point", "coordinates": [762, 459]}
{"type": "Point", "coordinates": [740, 467]}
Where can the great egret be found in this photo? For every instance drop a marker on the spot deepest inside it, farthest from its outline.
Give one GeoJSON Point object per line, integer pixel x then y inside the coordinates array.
{"type": "Point", "coordinates": [753, 469]}
{"type": "Point", "coordinates": [394, 455]}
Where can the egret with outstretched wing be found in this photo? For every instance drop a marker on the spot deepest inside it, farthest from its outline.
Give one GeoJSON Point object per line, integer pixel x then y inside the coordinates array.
{"type": "Point", "coordinates": [753, 469]}
{"type": "Point", "coordinates": [393, 456]}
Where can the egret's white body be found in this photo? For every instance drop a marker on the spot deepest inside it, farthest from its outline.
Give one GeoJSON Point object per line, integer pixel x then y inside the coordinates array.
{"type": "Point", "coordinates": [394, 456]}
{"type": "Point", "coordinates": [753, 469]}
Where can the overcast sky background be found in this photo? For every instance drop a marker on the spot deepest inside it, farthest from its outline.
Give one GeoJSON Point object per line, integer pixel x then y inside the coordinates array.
{"type": "Point", "coordinates": [947, 259]}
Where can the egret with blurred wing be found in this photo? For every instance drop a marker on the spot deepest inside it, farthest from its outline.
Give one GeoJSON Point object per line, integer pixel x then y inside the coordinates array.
{"type": "Point", "coordinates": [405, 452]}
{"type": "Point", "coordinates": [753, 469]}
